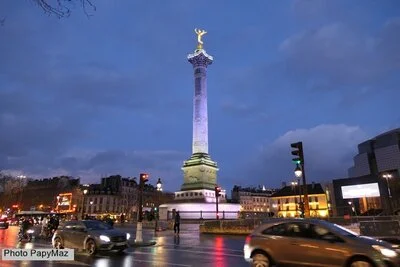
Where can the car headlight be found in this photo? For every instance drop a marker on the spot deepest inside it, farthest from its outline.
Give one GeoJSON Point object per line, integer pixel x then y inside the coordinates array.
{"type": "Point", "coordinates": [104, 238]}
{"type": "Point", "coordinates": [128, 236]}
{"type": "Point", "coordinates": [386, 251]}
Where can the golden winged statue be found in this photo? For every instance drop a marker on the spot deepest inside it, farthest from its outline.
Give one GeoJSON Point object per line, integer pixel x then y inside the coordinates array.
{"type": "Point", "coordinates": [199, 33]}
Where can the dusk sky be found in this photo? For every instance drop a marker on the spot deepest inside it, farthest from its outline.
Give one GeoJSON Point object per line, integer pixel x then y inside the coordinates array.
{"type": "Point", "coordinates": [112, 94]}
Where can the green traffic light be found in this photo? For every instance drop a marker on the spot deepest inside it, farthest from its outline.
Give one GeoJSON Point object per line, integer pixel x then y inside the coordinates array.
{"type": "Point", "coordinates": [296, 161]}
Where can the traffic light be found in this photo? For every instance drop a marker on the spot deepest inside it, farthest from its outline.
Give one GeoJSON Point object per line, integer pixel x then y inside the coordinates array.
{"type": "Point", "coordinates": [144, 177]}
{"type": "Point", "coordinates": [217, 191]}
{"type": "Point", "coordinates": [298, 152]}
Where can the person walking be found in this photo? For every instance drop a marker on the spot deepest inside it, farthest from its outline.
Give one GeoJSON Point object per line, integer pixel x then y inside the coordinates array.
{"type": "Point", "coordinates": [177, 223]}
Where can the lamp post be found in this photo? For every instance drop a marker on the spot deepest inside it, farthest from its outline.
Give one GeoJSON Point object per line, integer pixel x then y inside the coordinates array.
{"type": "Point", "coordinates": [294, 185]}
{"type": "Point", "coordinates": [85, 191]}
{"type": "Point", "coordinates": [304, 207]}
{"type": "Point", "coordinates": [159, 191]}
{"type": "Point", "coordinates": [388, 176]}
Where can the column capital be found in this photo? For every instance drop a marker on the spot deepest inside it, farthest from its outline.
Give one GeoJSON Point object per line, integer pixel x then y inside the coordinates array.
{"type": "Point", "coordinates": [200, 58]}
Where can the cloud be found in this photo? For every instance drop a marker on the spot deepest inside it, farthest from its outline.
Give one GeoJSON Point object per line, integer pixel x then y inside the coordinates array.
{"type": "Point", "coordinates": [340, 56]}
{"type": "Point", "coordinates": [307, 9]}
{"type": "Point", "coordinates": [250, 111]}
{"type": "Point", "coordinates": [92, 164]}
{"type": "Point", "coordinates": [328, 152]}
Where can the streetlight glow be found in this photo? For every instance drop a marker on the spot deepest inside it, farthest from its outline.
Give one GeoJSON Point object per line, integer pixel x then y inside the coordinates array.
{"type": "Point", "coordinates": [159, 185]}
{"type": "Point", "coordinates": [85, 191]}
{"type": "Point", "coordinates": [298, 172]}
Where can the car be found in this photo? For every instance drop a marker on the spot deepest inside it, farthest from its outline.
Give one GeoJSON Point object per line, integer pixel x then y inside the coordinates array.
{"type": "Point", "coordinates": [3, 223]}
{"type": "Point", "coordinates": [91, 236]}
{"type": "Point", "coordinates": [309, 242]}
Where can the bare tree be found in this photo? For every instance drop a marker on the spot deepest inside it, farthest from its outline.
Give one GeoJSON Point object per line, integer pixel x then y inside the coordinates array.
{"type": "Point", "coordinates": [62, 8]}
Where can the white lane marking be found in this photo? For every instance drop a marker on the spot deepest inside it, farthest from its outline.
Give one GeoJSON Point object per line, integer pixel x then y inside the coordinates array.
{"type": "Point", "coordinates": [206, 252]}
{"type": "Point", "coordinates": [191, 251]}
{"type": "Point", "coordinates": [162, 262]}
{"type": "Point", "coordinates": [73, 263]}
{"type": "Point", "coordinates": [206, 247]}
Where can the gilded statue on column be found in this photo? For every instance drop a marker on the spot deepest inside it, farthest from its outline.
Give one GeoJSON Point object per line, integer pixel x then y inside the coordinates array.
{"type": "Point", "coordinates": [199, 33]}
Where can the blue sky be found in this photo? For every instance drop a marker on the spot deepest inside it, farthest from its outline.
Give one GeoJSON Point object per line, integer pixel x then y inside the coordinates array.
{"type": "Point", "coordinates": [113, 93]}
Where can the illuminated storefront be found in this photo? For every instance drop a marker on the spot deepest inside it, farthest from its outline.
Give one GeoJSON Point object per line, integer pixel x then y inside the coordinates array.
{"type": "Point", "coordinates": [65, 203]}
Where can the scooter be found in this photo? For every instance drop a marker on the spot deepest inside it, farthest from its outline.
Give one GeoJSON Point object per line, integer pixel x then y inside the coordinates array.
{"type": "Point", "coordinates": [28, 235]}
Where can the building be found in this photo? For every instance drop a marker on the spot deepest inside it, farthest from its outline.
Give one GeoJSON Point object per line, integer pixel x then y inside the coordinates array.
{"type": "Point", "coordinates": [197, 197]}
{"type": "Point", "coordinates": [252, 199]}
{"type": "Point", "coordinates": [285, 202]}
{"type": "Point", "coordinates": [116, 195]}
{"type": "Point", "coordinates": [100, 202]}
{"type": "Point", "coordinates": [379, 159]}
{"type": "Point", "coordinates": [378, 155]}
{"type": "Point", "coordinates": [42, 194]}
{"type": "Point", "coordinates": [363, 195]}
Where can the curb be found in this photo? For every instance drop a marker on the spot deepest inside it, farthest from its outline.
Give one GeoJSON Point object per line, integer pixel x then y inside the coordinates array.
{"type": "Point", "coordinates": [142, 244]}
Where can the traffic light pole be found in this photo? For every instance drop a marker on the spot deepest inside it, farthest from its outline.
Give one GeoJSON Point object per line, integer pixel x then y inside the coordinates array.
{"type": "Point", "coordinates": [299, 160]}
{"type": "Point", "coordinates": [305, 198]}
{"type": "Point", "coordinates": [217, 194]}
{"type": "Point", "coordinates": [216, 198]}
{"type": "Point", "coordinates": [139, 227]}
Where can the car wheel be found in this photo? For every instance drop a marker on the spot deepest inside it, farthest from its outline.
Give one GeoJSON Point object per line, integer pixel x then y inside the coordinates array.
{"type": "Point", "coordinates": [90, 247]}
{"type": "Point", "coordinates": [361, 263]}
{"type": "Point", "coordinates": [261, 260]}
{"type": "Point", "coordinates": [58, 243]}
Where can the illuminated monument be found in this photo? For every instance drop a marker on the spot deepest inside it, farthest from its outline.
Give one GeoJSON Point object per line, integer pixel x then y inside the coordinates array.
{"type": "Point", "coordinates": [197, 196]}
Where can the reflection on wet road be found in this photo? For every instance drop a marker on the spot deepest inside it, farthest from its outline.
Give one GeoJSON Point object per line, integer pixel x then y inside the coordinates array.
{"type": "Point", "coordinates": [188, 249]}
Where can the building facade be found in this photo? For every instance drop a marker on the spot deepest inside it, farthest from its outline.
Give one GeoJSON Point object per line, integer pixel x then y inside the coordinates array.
{"type": "Point", "coordinates": [379, 159]}
{"type": "Point", "coordinates": [42, 194]}
{"type": "Point", "coordinates": [253, 199]}
{"type": "Point", "coordinates": [378, 155]}
{"type": "Point", "coordinates": [285, 202]}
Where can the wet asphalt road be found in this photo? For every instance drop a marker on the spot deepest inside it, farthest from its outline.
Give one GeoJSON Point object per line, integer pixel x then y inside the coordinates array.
{"type": "Point", "coordinates": [189, 249]}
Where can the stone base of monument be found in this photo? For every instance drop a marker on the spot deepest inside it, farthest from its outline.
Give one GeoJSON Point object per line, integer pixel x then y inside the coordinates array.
{"type": "Point", "coordinates": [200, 210]}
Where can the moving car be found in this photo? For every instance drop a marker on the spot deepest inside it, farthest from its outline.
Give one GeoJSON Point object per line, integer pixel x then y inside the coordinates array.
{"type": "Point", "coordinates": [306, 242]}
{"type": "Point", "coordinates": [89, 235]}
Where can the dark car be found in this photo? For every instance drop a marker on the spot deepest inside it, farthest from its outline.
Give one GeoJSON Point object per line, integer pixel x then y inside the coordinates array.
{"type": "Point", "coordinates": [306, 242]}
{"type": "Point", "coordinates": [3, 223]}
{"type": "Point", "coordinates": [91, 236]}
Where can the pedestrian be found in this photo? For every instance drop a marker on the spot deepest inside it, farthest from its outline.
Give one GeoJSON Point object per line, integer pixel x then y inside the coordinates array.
{"type": "Point", "coordinates": [177, 223]}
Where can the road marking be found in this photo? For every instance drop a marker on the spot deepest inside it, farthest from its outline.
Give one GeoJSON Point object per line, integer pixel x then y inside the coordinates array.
{"type": "Point", "coordinates": [212, 248]}
{"type": "Point", "coordinates": [73, 263]}
{"type": "Point", "coordinates": [204, 252]}
{"type": "Point", "coordinates": [191, 251]}
{"type": "Point", "coordinates": [161, 262]}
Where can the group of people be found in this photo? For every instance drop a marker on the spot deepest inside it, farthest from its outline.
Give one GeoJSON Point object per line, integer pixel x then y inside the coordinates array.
{"type": "Point", "coordinates": [49, 225]}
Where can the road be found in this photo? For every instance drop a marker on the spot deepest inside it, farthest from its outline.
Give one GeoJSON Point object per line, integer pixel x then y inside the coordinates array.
{"type": "Point", "coordinates": [189, 249]}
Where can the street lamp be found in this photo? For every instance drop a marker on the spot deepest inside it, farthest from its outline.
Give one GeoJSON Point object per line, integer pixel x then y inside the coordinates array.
{"type": "Point", "coordinates": [159, 190]}
{"type": "Point", "coordinates": [298, 172]}
{"type": "Point", "coordinates": [85, 191]}
{"type": "Point", "coordinates": [388, 176]}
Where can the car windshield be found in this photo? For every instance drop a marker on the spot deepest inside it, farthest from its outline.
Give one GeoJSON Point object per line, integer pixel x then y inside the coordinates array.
{"type": "Point", "coordinates": [94, 225]}
{"type": "Point", "coordinates": [344, 231]}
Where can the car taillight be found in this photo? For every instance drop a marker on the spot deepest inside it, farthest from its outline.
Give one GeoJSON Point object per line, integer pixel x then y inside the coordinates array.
{"type": "Point", "coordinates": [248, 239]}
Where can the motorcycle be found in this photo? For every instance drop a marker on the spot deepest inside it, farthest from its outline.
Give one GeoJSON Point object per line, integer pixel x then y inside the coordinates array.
{"type": "Point", "coordinates": [28, 235]}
